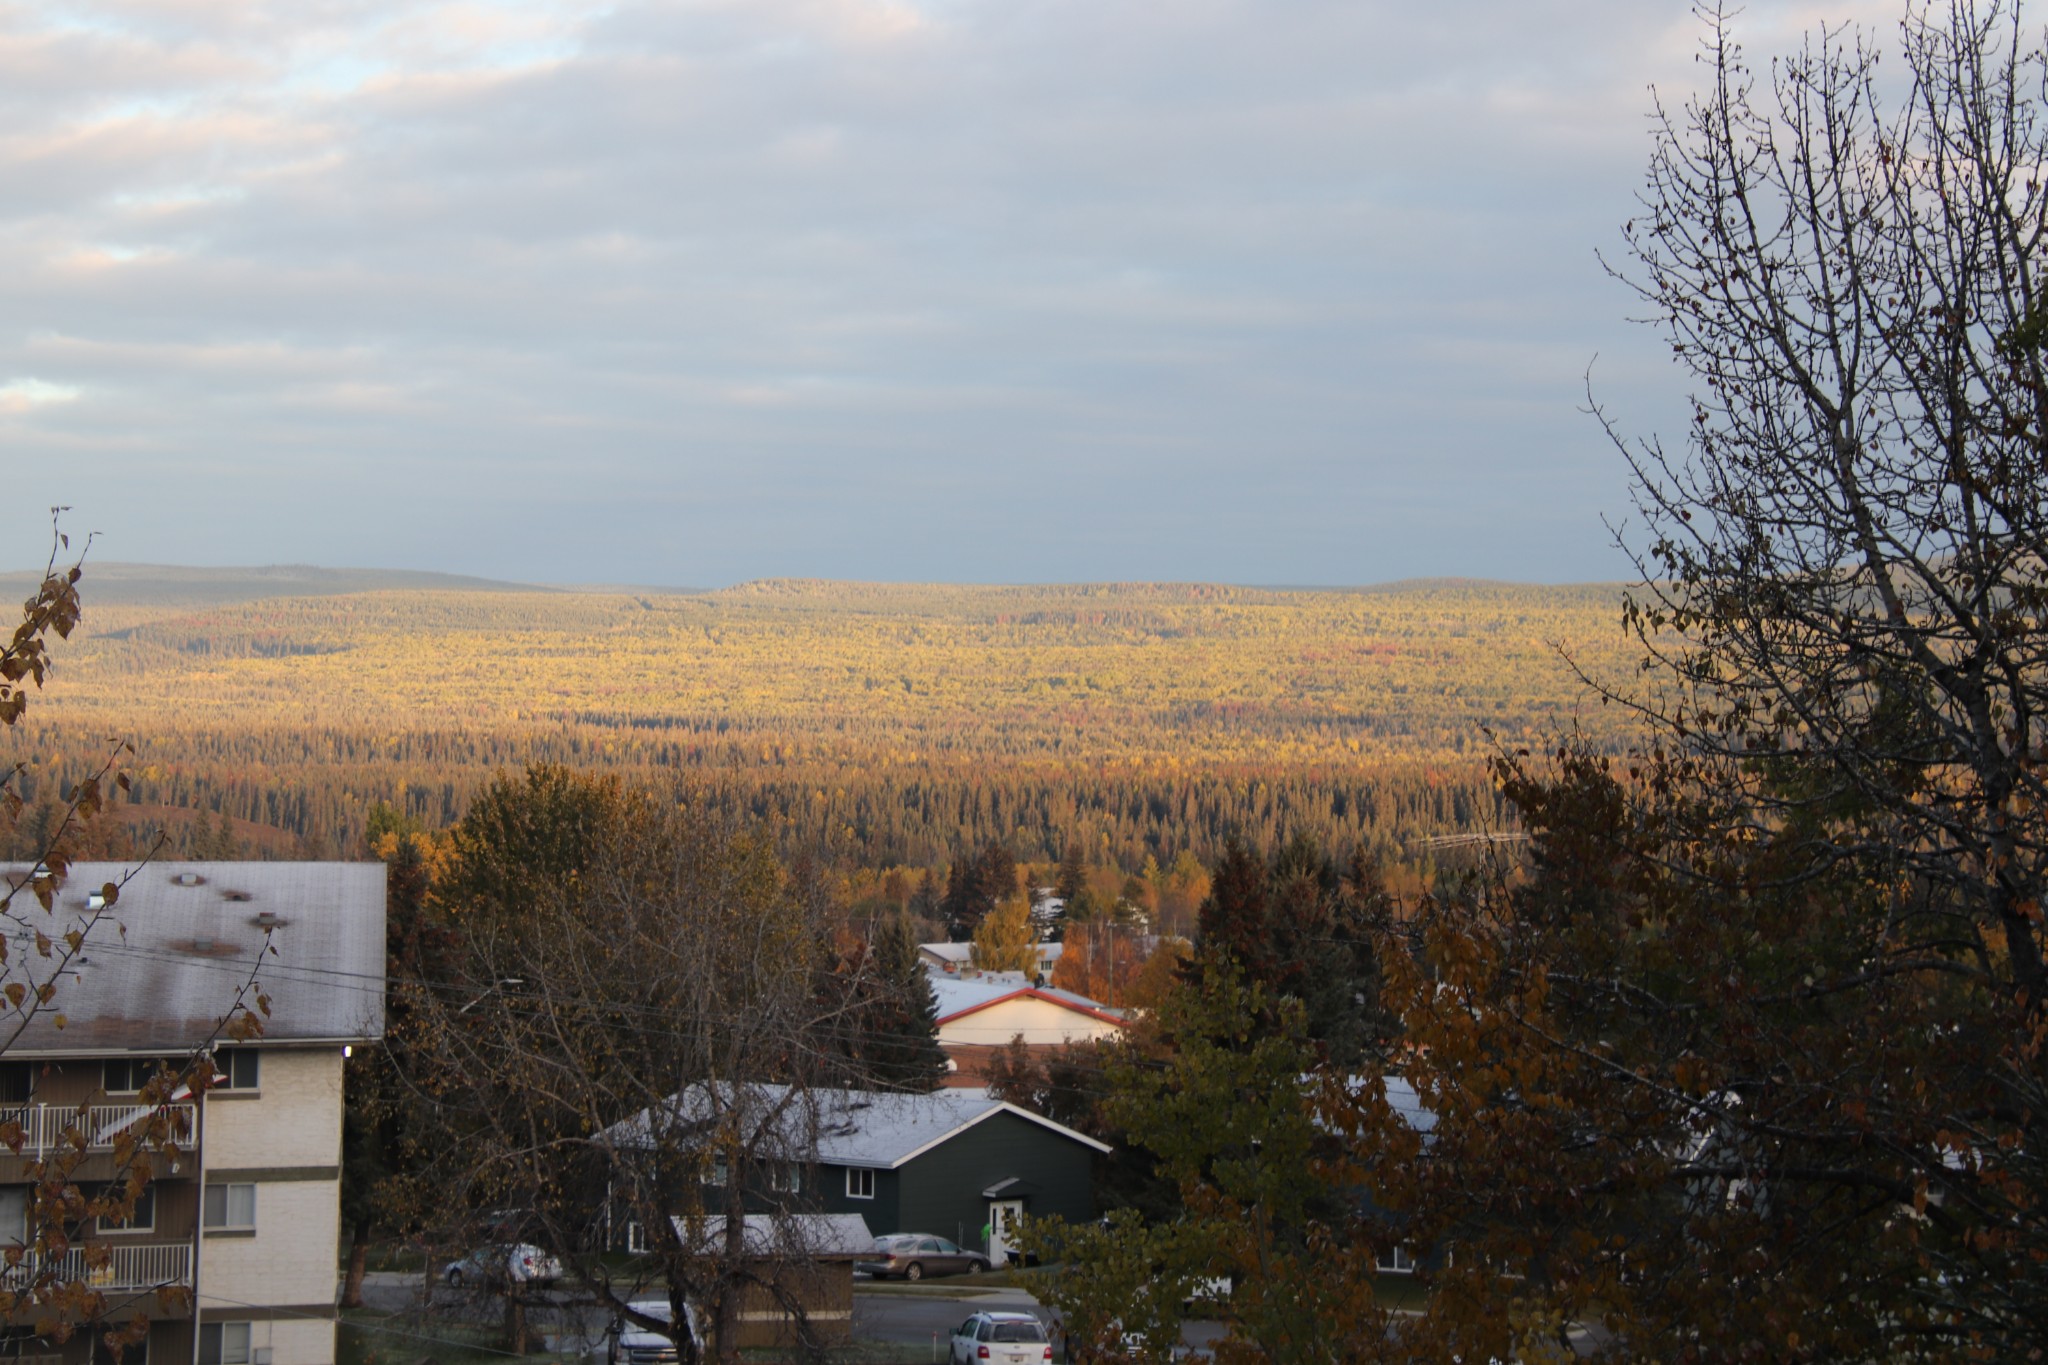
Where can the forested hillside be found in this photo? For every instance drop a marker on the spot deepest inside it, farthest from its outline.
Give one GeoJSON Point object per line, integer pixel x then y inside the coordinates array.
{"type": "Point", "coordinates": [888, 724]}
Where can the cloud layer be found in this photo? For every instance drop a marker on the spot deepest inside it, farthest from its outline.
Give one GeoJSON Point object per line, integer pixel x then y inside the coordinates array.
{"type": "Point", "coordinates": [700, 291]}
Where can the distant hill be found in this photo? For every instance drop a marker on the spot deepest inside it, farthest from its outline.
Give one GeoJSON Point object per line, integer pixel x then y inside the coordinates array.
{"type": "Point", "coordinates": [165, 585]}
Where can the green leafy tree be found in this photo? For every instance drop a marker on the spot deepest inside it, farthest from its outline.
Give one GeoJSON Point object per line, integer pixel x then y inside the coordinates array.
{"type": "Point", "coordinates": [1226, 1097]}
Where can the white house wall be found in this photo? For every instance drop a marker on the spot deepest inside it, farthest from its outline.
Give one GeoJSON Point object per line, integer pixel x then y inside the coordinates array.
{"type": "Point", "coordinates": [1037, 1021]}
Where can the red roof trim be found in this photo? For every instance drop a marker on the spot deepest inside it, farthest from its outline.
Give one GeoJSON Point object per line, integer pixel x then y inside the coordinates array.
{"type": "Point", "coordinates": [1033, 993]}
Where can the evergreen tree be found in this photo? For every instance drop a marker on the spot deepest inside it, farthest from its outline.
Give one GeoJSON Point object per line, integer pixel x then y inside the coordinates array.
{"type": "Point", "coordinates": [1072, 877]}
{"type": "Point", "coordinates": [1300, 931]}
{"type": "Point", "coordinates": [897, 1014]}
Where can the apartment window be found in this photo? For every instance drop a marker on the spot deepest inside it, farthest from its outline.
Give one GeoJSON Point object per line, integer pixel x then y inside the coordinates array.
{"type": "Point", "coordinates": [224, 1343]}
{"type": "Point", "coordinates": [719, 1171]}
{"type": "Point", "coordinates": [126, 1075]}
{"type": "Point", "coordinates": [17, 1082]}
{"type": "Point", "coordinates": [142, 1218]}
{"type": "Point", "coordinates": [1397, 1262]}
{"type": "Point", "coordinates": [230, 1206]}
{"type": "Point", "coordinates": [636, 1237]}
{"type": "Point", "coordinates": [785, 1177]}
{"type": "Point", "coordinates": [13, 1216]}
{"type": "Point", "coordinates": [860, 1183]}
{"type": "Point", "coordinates": [237, 1068]}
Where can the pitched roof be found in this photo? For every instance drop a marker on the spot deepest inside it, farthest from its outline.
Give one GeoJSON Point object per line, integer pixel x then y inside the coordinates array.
{"type": "Point", "coordinates": [958, 998]}
{"type": "Point", "coordinates": [804, 1236]}
{"type": "Point", "coordinates": [873, 1128]}
{"type": "Point", "coordinates": [164, 965]}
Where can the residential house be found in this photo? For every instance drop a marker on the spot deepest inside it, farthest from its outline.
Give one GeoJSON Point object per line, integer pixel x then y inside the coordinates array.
{"type": "Point", "coordinates": [246, 1216]}
{"type": "Point", "coordinates": [978, 1016]}
{"type": "Point", "coordinates": [954, 1163]}
{"type": "Point", "coordinates": [957, 959]}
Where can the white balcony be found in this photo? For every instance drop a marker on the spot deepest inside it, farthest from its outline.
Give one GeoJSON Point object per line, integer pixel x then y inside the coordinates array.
{"type": "Point", "coordinates": [128, 1268]}
{"type": "Point", "coordinates": [49, 1127]}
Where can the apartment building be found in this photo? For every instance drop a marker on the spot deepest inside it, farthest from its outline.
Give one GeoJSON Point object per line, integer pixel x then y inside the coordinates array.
{"type": "Point", "coordinates": [246, 1215]}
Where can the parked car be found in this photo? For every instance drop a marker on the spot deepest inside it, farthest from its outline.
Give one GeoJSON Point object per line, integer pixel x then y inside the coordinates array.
{"type": "Point", "coordinates": [914, 1255]}
{"type": "Point", "coordinates": [504, 1264]}
{"type": "Point", "coordinates": [631, 1343]}
{"type": "Point", "coordinates": [1003, 1338]}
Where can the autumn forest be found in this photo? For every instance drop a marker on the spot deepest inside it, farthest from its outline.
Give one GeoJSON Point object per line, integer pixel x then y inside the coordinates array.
{"type": "Point", "coordinates": [877, 726]}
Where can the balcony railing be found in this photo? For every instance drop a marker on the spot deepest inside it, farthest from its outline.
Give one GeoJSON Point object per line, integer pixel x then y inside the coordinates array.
{"type": "Point", "coordinates": [127, 1268]}
{"type": "Point", "coordinates": [43, 1125]}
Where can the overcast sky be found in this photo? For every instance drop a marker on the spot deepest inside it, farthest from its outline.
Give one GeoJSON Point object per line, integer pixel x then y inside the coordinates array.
{"type": "Point", "coordinates": [694, 291]}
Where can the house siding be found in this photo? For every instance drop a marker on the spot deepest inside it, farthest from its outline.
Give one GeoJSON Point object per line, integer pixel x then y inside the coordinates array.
{"type": "Point", "coordinates": [940, 1191]}
{"type": "Point", "coordinates": [879, 1213]}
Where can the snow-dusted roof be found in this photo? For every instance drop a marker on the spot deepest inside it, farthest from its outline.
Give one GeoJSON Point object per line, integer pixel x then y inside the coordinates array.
{"type": "Point", "coordinates": [879, 1129]}
{"type": "Point", "coordinates": [164, 966]}
{"type": "Point", "coordinates": [963, 953]}
{"type": "Point", "coordinates": [964, 995]}
{"type": "Point", "coordinates": [792, 1236]}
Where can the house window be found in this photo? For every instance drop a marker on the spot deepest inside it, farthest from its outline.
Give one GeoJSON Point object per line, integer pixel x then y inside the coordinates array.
{"type": "Point", "coordinates": [224, 1343]}
{"type": "Point", "coordinates": [142, 1218]}
{"type": "Point", "coordinates": [17, 1082]}
{"type": "Point", "coordinates": [126, 1075]}
{"type": "Point", "coordinates": [230, 1206]}
{"type": "Point", "coordinates": [636, 1237]}
{"type": "Point", "coordinates": [860, 1183]}
{"type": "Point", "coordinates": [786, 1177]}
{"type": "Point", "coordinates": [237, 1068]}
{"type": "Point", "coordinates": [1397, 1262]}
{"type": "Point", "coordinates": [719, 1170]}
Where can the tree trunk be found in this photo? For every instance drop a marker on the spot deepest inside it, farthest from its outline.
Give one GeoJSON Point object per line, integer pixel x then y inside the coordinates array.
{"type": "Point", "coordinates": [515, 1320]}
{"type": "Point", "coordinates": [358, 1257]}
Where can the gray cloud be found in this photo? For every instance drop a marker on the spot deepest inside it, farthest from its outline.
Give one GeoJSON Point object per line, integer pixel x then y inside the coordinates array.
{"type": "Point", "coordinates": [691, 292]}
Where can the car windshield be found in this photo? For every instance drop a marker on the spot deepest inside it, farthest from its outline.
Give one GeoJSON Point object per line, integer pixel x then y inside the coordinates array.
{"type": "Point", "coordinates": [1019, 1331]}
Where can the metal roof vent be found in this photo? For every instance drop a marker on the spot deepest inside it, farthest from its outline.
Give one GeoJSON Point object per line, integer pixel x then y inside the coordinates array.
{"type": "Point", "coordinates": [267, 919]}
{"type": "Point", "coordinates": [202, 945]}
{"type": "Point", "coordinates": [188, 879]}
{"type": "Point", "coordinates": [235, 896]}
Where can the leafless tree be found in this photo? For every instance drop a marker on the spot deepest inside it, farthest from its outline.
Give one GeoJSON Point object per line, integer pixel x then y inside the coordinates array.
{"type": "Point", "coordinates": [1845, 560]}
{"type": "Point", "coordinates": [643, 1047]}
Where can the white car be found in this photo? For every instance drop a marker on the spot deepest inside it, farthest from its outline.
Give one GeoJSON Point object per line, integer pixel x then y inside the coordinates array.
{"type": "Point", "coordinates": [504, 1264]}
{"type": "Point", "coordinates": [1004, 1338]}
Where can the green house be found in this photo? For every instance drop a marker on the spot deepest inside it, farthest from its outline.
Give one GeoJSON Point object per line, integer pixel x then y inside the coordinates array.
{"type": "Point", "coordinates": [954, 1163]}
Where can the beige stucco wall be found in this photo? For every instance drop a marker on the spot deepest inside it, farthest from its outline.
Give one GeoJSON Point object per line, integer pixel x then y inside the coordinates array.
{"type": "Point", "coordinates": [290, 1260]}
{"type": "Point", "coordinates": [1038, 1021]}
{"type": "Point", "coordinates": [277, 1138]}
{"type": "Point", "coordinates": [293, 1120]}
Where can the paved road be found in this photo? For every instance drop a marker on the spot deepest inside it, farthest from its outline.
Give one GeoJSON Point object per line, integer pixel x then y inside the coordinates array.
{"type": "Point", "coordinates": [918, 1321]}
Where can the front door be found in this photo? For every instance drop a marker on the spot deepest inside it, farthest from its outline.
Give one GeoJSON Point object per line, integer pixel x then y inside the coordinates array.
{"type": "Point", "coordinates": [1002, 1228]}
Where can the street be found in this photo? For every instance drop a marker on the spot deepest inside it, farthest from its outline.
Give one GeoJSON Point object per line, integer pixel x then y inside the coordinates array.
{"type": "Point", "coordinates": [918, 1320]}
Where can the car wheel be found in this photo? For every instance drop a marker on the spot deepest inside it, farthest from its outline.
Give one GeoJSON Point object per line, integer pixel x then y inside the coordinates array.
{"type": "Point", "coordinates": [976, 1266]}
{"type": "Point", "coordinates": [913, 1271]}
{"type": "Point", "coordinates": [454, 1278]}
